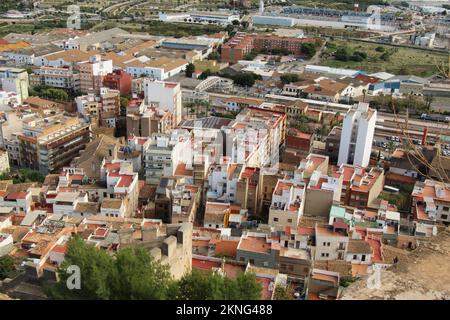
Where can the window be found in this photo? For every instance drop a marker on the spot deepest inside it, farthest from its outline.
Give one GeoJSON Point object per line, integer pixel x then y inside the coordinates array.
{"type": "Point", "coordinates": [355, 257]}
{"type": "Point", "coordinates": [328, 244]}
{"type": "Point", "coordinates": [446, 209]}
{"type": "Point", "coordinates": [444, 217]}
{"type": "Point", "coordinates": [275, 219]}
{"type": "Point", "coordinates": [363, 257]}
{"type": "Point", "coordinates": [289, 220]}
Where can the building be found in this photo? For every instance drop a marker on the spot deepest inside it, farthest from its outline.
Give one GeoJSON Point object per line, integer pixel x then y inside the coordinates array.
{"type": "Point", "coordinates": [14, 80]}
{"type": "Point", "coordinates": [165, 152]}
{"type": "Point", "coordinates": [357, 135]}
{"type": "Point", "coordinates": [48, 144]}
{"type": "Point", "coordinates": [4, 161]}
{"type": "Point", "coordinates": [326, 90]}
{"type": "Point", "coordinates": [165, 96]}
{"type": "Point", "coordinates": [119, 80]}
{"type": "Point", "coordinates": [321, 193]}
{"type": "Point", "coordinates": [288, 201]}
{"type": "Point", "coordinates": [430, 206]}
{"type": "Point", "coordinates": [359, 187]}
{"type": "Point", "coordinates": [331, 241]}
{"type": "Point", "coordinates": [158, 69]}
{"type": "Point", "coordinates": [236, 48]}
{"type": "Point", "coordinates": [242, 43]}
{"type": "Point", "coordinates": [273, 21]}
{"type": "Point", "coordinates": [58, 77]}
{"type": "Point", "coordinates": [93, 72]}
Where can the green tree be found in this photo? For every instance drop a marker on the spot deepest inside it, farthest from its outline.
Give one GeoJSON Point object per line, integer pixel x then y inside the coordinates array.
{"type": "Point", "coordinates": [140, 276]}
{"type": "Point", "coordinates": [6, 266]}
{"type": "Point", "coordinates": [190, 70]}
{"type": "Point", "coordinates": [308, 49]}
{"type": "Point", "coordinates": [283, 293]}
{"type": "Point", "coordinates": [289, 78]}
{"type": "Point", "coordinates": [214, 56]}
{"type": "Point", "coordinates": [98, 273]}
{"type": "Point", "coordinates": [123, 105]}
{"type": "Point", "coordinates": [212, 286]}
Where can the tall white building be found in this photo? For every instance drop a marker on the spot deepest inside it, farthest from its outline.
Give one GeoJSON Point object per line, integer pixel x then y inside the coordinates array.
{"type": "Point", "coordinates": [357, 135]}
{"type": "Point", "coordinates": [165, 96]}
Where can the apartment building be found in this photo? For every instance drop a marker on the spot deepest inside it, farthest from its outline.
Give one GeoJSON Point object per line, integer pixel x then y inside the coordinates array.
{"type": "Point", "coordinates": [430, 205]}
{"type": "Point", "coordinates": [47, 144]}
{"type": "Point", "coordinates": [242, 43]}
{"type": "Point", "coordinates": [222, 181]}
{"type": "Point", "coordinates": [237, 47]}
{"type": "Point", "coordinates": [359, 187]}
{"type": "Point", "coordinates": [357, 135]}
{"type": "Point", "coordinates": [331, 241]}
{"type": "Point", "coordinates": [255, 136]}
{"type": "Point", "coordinates": [164, 153]}
{"type": "Point", "coordinates": [322, 192]}
{"type": "Point", "coordinates": [14, 80]}
{"type": "Point", "coordinates": [119, 80]}
{"type": "Point", "coordinates": [288, 201]}
{"type": "Point", "coordinates": [101, 106]}
{"type": "Point", "coordinates": [121, 182]}
{"type": "Point", "coordinates": [291, 44]}
{"type": "Point", "coordinates": [247, 193]}
{"type": "Point", "coordinates": [59, 77]}
{"type": "Point", "coordinates": [93, 72]}
{"type": "Point", "coordinates": [149, 121]}
{"type": "Point", "coordinates": [185, 203]}
{"type": "Point", "coordinates": [165, 96]}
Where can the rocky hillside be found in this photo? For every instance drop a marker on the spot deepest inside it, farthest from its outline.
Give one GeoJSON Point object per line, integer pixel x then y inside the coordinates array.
{"type": "Point", "coordinates": [425, 274]}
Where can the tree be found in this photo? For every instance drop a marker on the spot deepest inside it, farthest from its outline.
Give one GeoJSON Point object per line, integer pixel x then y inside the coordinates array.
{"type": "Point", "coordinates": [205, 74]}
{"type": "Point", "coordinates": [6, 266]}
{"type": "Point", "coordinates": [245, 79]}
{"type": "Point", "coordinates": [140, 276]}
{"type": "Point", "coordinates": [98, 273]}
{"type": "Point", "coordinates": [283, 293]}
{"type": "Point", "coordinates": [213, 286]}
{"type": "Point", "coordinates": [123, 105]}
{"type": "Point", "coordinates": [214, 56]}
{"type": "Point", "coordinates": [342, 54]}
{"type": "Point", "coordinates": [289, 78]}
{"type": "Point", "coordinates": [190, 70]}
{"type": "Point", "coordinates": [235, 22]}
{"type": "Point", "coordinates": [308, 49]}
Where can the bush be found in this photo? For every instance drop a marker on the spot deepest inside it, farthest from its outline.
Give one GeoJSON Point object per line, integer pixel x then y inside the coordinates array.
{"type": "Point", "coordinates": [6, 266]}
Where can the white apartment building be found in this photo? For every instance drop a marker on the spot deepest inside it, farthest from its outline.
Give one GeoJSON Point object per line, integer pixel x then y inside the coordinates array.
{"type": "Point", "coordinates": [331, 243]}
{"type": "Point", "coordinates": [164, 153]}
{"type": "Point", "coordinates": [18, 201]}
{"type": "Point", "coordinates": [288, 201]}
{"type": "Point", "coordinates": [165, 96]}
{"type": "Point", "coordinates": [64, 78]}
{"type": "Point", "coordinates": [14, 80]}
{"type": "Point", "coordinates": [222, 181]}
{"type": "Point", "coordinates": [357, 135]}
